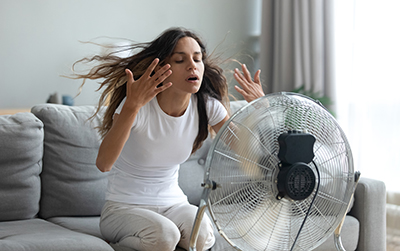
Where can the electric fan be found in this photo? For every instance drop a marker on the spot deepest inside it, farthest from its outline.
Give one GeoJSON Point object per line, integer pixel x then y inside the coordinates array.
{"type": "Point", "coordinates": [279, 176]}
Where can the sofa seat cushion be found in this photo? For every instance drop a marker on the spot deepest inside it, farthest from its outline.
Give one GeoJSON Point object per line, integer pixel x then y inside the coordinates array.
{"type": "Point", "coordinates": [40, 235]}
{"type": "Point", "coordinates": [71, 183]}
{"type": "Point", "coordinates": [86, 225]}
{"type": "Point", "coordinates": [21, 152]}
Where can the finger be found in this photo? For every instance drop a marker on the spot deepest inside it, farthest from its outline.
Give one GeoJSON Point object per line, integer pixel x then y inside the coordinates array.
{"type": "Point", "coordinates": [129, 76]}
{"type": "Point", "coordinates": [246, 73]}
{"type": "Point", "coordinates": [242, 92]}
{"type": "Point", "coordinates": [238, 76]}
{"type": "Point", "coordinates": [239, 90]}
{"type": "Point", "coordinates": [257, 77]}
{"type": "Point", "coordinates": [245, 95]}
{"type": "Point", "coordinates": [151, 67]}
{"type": "Point", "coordinates": [163, 72]}
{"type": "Point", "coordinates": [163, 87]}
{"type": "Point", "coordinates": [240, 79]}
{"type": "Point", "coordinates": [162, 78]}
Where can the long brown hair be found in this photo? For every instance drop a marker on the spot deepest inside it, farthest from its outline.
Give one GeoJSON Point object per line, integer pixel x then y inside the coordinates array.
{"type": "Point", "coordinates": [112, 70]}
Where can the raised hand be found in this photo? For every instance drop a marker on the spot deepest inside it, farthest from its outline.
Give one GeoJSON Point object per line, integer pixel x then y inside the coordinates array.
{"type": "Point", "coordinates": [141, 91]}
{"type": "Point", "coordinates": [250, 89]}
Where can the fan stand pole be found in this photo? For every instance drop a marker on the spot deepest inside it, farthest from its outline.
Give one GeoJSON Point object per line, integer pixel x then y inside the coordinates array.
{"type": "Point", "coordinates": [337, 238]}
{"type": "Point", "coordinates": [208, 186]}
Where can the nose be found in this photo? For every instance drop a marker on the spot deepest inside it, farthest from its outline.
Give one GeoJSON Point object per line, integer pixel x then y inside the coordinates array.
{"type": "Point", "coordinates": [192, 65]}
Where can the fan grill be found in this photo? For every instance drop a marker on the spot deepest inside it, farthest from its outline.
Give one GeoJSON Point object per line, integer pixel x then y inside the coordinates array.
{"type": "Point", "coordinates": [300, 182]}
{"type": "Point", "coordinates": [243, 161]}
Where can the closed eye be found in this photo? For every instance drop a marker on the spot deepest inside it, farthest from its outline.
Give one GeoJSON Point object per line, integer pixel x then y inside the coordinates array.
{"type": "Point", "coordinates": [195, 60]}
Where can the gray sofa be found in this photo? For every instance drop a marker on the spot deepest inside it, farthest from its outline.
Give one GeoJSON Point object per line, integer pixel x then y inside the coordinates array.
{"type": "Point", "coordinates": [51, 192]}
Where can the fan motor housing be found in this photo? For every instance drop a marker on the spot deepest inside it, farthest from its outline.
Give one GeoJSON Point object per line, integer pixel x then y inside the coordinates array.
{"type": "Point", "coordinates": [296, 179]}
{"type": "Point", "coordinates": [295, 147]}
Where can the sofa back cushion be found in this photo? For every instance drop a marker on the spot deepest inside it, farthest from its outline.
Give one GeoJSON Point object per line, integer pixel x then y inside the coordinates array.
{"type": "Point", "coordinates": [71, 183]}
{"type": "Point", "coordinates": [21, 152]}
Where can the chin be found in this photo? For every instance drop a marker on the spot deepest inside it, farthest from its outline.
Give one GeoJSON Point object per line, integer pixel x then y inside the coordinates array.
{"type": "Point", "coordinates": [194, 89]}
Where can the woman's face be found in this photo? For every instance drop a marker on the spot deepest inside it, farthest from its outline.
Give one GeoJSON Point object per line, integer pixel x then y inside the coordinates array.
{"type": "Point", "coordinates": [187, 66]}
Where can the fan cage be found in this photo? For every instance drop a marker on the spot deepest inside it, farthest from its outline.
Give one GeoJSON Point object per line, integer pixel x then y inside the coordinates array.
{"type": "Point", "coordinates": [243, 161]}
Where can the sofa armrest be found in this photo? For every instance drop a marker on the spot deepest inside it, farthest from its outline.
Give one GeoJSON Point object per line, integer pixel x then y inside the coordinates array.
{"type": "Point", "coordinates": [370, 209]}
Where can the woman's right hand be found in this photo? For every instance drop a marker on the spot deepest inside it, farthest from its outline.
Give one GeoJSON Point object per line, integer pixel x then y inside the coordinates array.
{"type": "Point", "coordinates": [141, 91]}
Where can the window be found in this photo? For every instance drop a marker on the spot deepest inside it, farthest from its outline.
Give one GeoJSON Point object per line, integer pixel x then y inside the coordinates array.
{"type": "Point", "coordinates": [368, 84]}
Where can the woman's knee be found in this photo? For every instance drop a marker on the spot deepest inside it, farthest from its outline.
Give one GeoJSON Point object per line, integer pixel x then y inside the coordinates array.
{"type": "Point", "coordinates": [140, 229]}
{"type": "Point", "coordinates": [161, 237]}
{"type": "Point", "coordinates": [184, 217]}
{"type": "Point", "coordinates": [166, 237]}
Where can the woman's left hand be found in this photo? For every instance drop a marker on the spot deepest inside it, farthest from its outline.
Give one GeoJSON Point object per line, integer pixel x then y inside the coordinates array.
{"type": "Point", "coordinates": [250, 90]}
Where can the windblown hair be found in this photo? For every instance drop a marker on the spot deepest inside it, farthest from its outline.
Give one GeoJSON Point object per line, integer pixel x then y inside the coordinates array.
{"type": "Point", "coordinates": [111, 69]}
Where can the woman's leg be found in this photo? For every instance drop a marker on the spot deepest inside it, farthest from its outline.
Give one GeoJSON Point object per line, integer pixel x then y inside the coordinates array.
{"type": "Point", "coordinates": [183, 215]}
{"type": "Point", "coordinates": [139, 228]}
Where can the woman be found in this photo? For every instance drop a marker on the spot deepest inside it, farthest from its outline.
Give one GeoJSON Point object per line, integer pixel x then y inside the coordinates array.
{"type": "Point", "coordinates": [161, 102]}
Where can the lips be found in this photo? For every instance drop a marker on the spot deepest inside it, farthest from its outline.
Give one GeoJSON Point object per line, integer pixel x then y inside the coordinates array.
{"type": "Point", "coordinates": [192, 78]}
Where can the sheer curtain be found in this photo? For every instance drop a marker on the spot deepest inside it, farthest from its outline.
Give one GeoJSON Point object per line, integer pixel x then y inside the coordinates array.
{"type": "Point", "coordinates": [367, 40]}
{"type": "Point", "coordinates": [296, 46]}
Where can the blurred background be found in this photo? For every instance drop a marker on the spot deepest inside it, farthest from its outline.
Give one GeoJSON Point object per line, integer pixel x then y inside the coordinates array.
{"type": "Point", "coordinates": [41, 39]}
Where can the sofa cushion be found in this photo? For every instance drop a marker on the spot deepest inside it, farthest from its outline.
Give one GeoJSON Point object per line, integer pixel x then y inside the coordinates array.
{"type": "Point", "coordinates": [40, 235]}
{"type": "Point", "coordinates": [71, 183]}
{"type": "Point", "coordinates": [370, 209]}
{"type": "Point", "coordinates": [349, 235]}
{"type": "Point", "coordinates": [21, 152]}
{"type": "Point", "coordinates": [85, 225]}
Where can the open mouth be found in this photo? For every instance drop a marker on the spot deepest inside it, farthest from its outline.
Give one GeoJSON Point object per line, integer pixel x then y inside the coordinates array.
{"type": "Point", "coordinates": [192, 78]}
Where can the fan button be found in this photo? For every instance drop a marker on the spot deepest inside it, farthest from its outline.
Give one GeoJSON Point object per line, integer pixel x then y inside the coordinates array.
{"type": "Point", "coordinates": [201, 162]}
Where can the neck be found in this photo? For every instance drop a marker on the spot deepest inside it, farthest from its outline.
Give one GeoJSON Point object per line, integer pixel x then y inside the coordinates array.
{"type": "Point", "coordinates": [174, 106]}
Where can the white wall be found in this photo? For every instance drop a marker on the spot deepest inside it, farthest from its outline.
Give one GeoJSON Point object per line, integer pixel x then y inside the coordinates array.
{"type": "Point", "coordinates": [39, 39]}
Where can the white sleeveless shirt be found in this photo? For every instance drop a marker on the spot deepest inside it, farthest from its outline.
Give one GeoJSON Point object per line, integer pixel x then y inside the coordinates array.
{"type": "Point", "coordinates": [146, 172]}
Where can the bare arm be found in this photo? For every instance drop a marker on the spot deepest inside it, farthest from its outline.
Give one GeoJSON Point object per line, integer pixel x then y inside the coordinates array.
{"type": "Point", "coordinates": [114, 141]}
{"type": "Point", "coordinates": [218, 126]}
{"type": "Point", "coordinates": [138, 93]}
